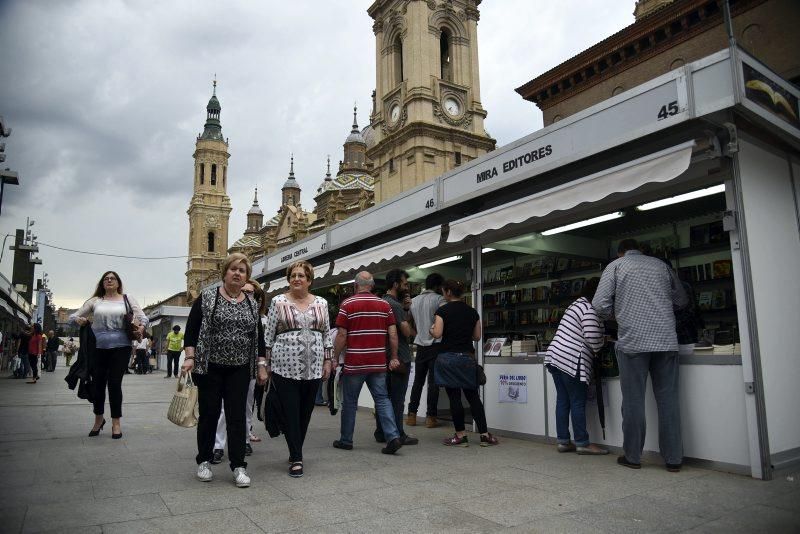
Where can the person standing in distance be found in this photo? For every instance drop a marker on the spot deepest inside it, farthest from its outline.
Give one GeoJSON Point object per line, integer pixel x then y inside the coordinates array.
{"type": "Point", "coordinates": [174, 348]}
{"type": "Point", "coordinates": [423, 309]}
{"type": "Point", "coordinates": [643, 294]}
{"type": "Point", "coordinates": [364, 322]}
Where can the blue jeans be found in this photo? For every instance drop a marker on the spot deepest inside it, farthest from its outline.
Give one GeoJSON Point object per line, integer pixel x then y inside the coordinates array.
{"type": "Point", "coordinates": [664, 370]}
{"type": "Point", "coordinates": [397, 384]}
{"type": "Point", "coordinates": [376, 382]}
{"type": "Point", "coordinates": [570, 398]}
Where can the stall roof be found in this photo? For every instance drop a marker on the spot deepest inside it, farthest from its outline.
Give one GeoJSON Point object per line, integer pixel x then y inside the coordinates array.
{"type": "Point", "coordinates": [661, 166]}
{"type": "Point", "coordinates": [399, 247]}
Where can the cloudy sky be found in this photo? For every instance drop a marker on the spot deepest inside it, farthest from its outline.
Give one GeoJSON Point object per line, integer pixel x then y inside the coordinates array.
{"type": "Point", "coordinates": [106, 98]}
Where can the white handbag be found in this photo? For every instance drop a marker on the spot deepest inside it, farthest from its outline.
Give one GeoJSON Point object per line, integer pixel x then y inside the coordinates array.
{"type": "Point", "coordinates": [182, 409]}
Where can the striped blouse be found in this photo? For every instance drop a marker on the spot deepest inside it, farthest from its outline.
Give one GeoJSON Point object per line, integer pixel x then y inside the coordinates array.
{"type": "Point", "coordinates": [579, 335]}
{"type": "Point", "coordinates": [297, 341]}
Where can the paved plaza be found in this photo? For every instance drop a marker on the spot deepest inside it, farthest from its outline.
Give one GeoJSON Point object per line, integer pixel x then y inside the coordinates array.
{"type": "Point", "coordinates": [53, 478]}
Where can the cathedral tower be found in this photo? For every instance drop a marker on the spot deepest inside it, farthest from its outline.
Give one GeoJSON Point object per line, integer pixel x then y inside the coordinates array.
{"type": "Point", "coordinates": [210, 206]}
{"type": "Point", "coordinates": [427, 115]}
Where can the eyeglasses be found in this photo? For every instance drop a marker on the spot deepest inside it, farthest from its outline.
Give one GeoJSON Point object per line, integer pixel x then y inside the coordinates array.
{"type": "Point", "coordinates": [110, 279]}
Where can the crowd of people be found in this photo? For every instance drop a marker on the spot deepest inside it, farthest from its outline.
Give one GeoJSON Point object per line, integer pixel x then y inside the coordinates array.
{"type": "Point", "coordinates": [243, 352]}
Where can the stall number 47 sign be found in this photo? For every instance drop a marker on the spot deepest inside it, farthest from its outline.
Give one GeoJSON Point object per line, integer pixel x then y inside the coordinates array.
{"type": "Point", "coordinates": [668, 110]}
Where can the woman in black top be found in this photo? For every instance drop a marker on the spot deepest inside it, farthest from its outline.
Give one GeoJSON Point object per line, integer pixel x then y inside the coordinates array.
{"type": "Point", "coordinates": [223, 337]}
{"type": "Point", "coordinates": [458, 325]}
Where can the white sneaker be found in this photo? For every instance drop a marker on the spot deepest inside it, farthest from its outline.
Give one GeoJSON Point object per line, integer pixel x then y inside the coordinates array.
{"type": "Point", "coordinates": [241, 478]}
{"type": "Point", "coordinates": [204, 472]}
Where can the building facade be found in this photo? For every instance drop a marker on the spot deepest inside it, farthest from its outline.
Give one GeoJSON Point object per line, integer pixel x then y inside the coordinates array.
{"type": "Point", "coordinates": [210, 206]}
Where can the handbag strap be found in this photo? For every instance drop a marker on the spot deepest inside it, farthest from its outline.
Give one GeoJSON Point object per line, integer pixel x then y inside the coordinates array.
{"type": "Point", "coordinates": [128, 308]}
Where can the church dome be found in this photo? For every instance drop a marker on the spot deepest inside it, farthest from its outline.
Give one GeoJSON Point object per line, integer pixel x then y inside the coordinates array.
{"type": "Point", "coordinates": [368, 134]}
{"type": "Point", "coordinates": [213, 104]}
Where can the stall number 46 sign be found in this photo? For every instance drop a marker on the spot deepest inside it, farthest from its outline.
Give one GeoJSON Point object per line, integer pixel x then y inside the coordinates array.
{"type": "Point", "coordinates": [430, 204]}
{"type": "Point", "coordinates": [668, 111]}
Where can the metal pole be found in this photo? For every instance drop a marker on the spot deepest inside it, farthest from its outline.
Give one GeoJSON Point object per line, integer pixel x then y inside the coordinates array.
{"type": "Point", "coordinates": [726, 9]}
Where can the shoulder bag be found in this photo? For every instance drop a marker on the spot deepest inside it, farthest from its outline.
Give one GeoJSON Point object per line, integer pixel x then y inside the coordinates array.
{"type": "Point", "coordinates": [131, 329]}
{"type": "Point", "coordinates": [184, 403]}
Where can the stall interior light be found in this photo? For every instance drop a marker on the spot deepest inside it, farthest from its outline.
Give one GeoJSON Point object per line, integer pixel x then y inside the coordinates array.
{"type": "Point", "coordinates": [438, 262]}
{"type": "Point", "coordinates": [487, 249]}
{"type": "Point", "coordinates": [682, 198]}
{"type": "Point", "coordinates": [587, 222]}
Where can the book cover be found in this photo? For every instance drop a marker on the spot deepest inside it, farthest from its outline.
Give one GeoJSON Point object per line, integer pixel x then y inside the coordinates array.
{"type": "Point", "coordinates": [705, 300]}
{"type": "Point", "coordinates": [562, 264]}
{"type": "Point", "coordinates": [548, 264]}
{"type": "Point", "coordinates": [722, 268]}
{"type": "Point", "coordinates": [718, 299]}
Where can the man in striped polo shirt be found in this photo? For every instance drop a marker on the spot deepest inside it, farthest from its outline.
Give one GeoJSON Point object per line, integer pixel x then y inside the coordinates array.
{"type": "Point", "coordinates": [363, 323]}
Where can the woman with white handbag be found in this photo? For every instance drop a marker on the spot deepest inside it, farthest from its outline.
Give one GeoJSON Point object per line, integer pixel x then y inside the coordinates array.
{"type": "Point", "coordinates": [223, 337]}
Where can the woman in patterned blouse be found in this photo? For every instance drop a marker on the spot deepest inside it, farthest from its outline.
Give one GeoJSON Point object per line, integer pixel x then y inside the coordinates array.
{"type": "Point", "coordinates": [223, 337]}
{"type": "Point", "coordinates": [299, 355]}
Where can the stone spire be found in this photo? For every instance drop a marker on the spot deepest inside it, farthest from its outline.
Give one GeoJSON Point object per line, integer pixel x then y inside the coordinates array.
{"type": "Point", "coordinates": [213, 128]}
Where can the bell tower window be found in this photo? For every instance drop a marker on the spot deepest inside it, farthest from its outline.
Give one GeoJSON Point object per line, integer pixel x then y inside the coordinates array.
{"type": "Point", "coordinates": [211, 241]}
{"type": "Point", "coordinates": [398, 60]}
{"type": "Point", "coordinates": [214, 174]}
{"type": "Point", "coordinates": [446, 56]}
{"type": "Point", "coordinates": [202, 174]}
{"type": "Point", "coordinates": [224, 176]}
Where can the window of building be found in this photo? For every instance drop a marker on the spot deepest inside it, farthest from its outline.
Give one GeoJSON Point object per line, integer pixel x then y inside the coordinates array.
{"type": "Point", "coordinates": [214, 174]}
{"type": "Point", "coordinates": [445, 56]}
{"type": "Point", "coordinates": [398, 60]}
{"type": "Point", "coordinates": [458, 159]}
{"type": "Point", "coordinates": [202, 174]}
{"type": "Point", "coordinates": [224, 176]}
{"type": "Point", "coordinates": [391, 164]}
{"type": "Point", "coordinates": [211, 241]}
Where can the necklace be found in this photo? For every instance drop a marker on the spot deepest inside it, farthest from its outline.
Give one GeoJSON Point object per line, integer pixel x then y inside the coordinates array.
{"type": "Point", "coordinates": [232, 298]}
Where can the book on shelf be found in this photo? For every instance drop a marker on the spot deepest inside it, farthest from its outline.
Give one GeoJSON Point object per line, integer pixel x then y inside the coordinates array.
{"type": "Point", "coordinates": [705, 300]}
{"type": "Point", "coordinates": [562, 264]}
{"type": "Point", "coordinates": [536, 267]}
{"type": "Point", "coordinates": [577, 287]}
{"type": "Point", "coordinates": [548, 264]}
{"type": "Point", "coordinates": [718, 299]}
{"type": "Point", "coordinates": [722, 268]}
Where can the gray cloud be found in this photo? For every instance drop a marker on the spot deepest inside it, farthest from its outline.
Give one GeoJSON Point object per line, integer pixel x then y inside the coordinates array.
{"type": "Point", "coordinates": [106, 99]}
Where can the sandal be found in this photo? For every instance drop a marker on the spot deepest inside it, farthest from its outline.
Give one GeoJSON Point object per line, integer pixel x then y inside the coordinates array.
{"type": "Point", "coordinates": [254, 438]}
{"type": "Point", "coordinates": [296, 470]}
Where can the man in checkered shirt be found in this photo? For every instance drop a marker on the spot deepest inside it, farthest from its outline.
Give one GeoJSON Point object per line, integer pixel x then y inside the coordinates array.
{"type": "Point", "coordinates": [642, 293]}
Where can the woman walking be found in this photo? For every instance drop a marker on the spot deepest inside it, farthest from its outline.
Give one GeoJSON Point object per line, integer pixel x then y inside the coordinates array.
{"type": "Point", "coordinates": [109, 305]}
{"type": "Point", "coordinates": [569, 359]}
{"type": "Point", "coordinates": [223, 337]}
{"type": "Point", "coordinates": [298, 356]}
{"type": "Point", "coordinates": [458, 325]}
{"type": "Point", "coordinates": [36, 346]}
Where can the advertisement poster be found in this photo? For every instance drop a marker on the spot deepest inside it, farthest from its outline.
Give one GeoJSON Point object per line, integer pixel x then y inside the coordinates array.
{"type": "Point", "coordinates": [513, 388]}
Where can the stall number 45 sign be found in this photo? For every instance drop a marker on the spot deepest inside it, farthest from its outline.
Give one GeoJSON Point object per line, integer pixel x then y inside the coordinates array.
{"type": "Point", "coordinates": [668, 110]}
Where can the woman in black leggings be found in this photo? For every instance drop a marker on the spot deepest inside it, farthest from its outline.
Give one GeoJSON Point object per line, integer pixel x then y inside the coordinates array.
{"type": "Point", "coordinates": [458, 325]}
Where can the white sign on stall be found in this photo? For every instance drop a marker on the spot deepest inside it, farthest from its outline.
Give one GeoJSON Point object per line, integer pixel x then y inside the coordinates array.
{"type": "Point", "coordinates": [513, 388]}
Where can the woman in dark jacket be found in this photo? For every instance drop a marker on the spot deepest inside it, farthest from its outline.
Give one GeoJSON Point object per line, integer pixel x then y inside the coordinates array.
{"type": "Point", "coordinates": [457, 324]}
{"type": "Point", "coordinates": [223, 337]}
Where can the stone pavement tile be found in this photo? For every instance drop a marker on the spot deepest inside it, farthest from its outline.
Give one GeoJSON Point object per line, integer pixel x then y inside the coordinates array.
{"type": "Point", "coordinates": [756, 518]}
{"type": "Point", "coordinates": [637, 514]}
{"type": "Point", "coordinates": [34, 493]}
{"type": "Point", "coordinates": [93, 529]}
{"type": "Point", "coordinates": [13, 478]}
{"type": "Point", "coordinates": [608, 484]}
{"type": "Point", "coordinates": [11, 517]}
{"type": "Point", "coordinates": [418, 494]}
{"type": "Point", "coordinates": [519, 507]}
{"type": "Point", "coordinates": [312, 484]}
{"type": "Point", "coordinates": [506, 479]}
{"type": "Point", "coordinates": [169, 464]}
{"type": "Point", "coordinates": [788, 501]}
{"type": "Point", "coordinates": [59, 515]}
{"type": "Point", "coordinates": [555, 524]}
{"type": "Point", "coordinates": [230, 520]}
{"type": "Point", "coordinates": [118, 487]}
{"type": "Point", "coordinates": [415, 471]}
{"type": "Point", "coordinates": [71, 472]}
{"type": "Point", "coordinates": [221, 493]}
{"type": "Point", "coordinates": [311, 513]}
{"type": "Point", "coordinates": [440, 518]}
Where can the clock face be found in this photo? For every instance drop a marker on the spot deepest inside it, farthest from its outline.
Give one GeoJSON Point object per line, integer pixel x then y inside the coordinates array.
{"type": "Point", "coordinates": [394, 113]}
{"type": "Point", "coordinates": [452, 106]}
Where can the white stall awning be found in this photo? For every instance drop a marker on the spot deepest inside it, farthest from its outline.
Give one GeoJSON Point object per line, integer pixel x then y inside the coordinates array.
{"type": "Point", "coordinates": [661, 166]}
{"type": "Point", "coordinates": [155, 323]}
{"type": "Point", "coordinates": [281, 283]}
{"type": "Point", "coordinates": [412, 243]}
{"type": "Point", "coordinates": [277, 285]}
{"type": "Point", "coordinates": [6, 306]}
{"type": "Point", "coordinates": [22, 316]}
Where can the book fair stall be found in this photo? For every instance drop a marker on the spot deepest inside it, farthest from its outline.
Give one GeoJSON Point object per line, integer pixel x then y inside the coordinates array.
{"type": "Point", "coordinates": [701, 167]}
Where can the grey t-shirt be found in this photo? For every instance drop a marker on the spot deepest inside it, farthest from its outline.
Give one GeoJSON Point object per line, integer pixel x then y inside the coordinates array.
{"type": "Point", "coordinates": [403, 349]}
{"type": "Point", "coordinates": [423, 308]}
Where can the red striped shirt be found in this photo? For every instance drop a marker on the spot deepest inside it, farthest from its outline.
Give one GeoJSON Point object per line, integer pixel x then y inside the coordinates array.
{"type": "Point", "coordinates": [366, 319]}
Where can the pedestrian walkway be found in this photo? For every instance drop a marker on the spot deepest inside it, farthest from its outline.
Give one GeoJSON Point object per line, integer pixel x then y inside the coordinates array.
{"type": "Point", "coordinates": [53, 478]}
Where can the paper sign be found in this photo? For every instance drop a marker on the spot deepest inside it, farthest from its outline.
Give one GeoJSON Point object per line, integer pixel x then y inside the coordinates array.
{"type": "Point", "coordinates": [513, 388]}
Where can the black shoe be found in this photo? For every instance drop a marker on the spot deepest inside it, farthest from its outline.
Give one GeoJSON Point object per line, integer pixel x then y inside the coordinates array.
{"type": "Point", "coordinates": [674, 468]}
{"type": "Point", "coordinates": [624, 461]}
{"type": "Point", "coordinates": [248, 449]}
{"type": "Point", "coordinates": [380, 438]}
{"type": "Point", "coordinates": [168, 376]}
{"type": "Point", "coordinates": [409, 440]}
{"type": "Point", "coordinates": [296, 469]}
{"type": "Point", "coordinates": [93, 433]}
{"type": "Point", "coordinates": [392, 447]}
{"type": "Point", "coordinates": [218, 455]}
{"type": "Point", "coordinates": [344, 446]}
{"type": "Point", "coordinates": [116, 436]}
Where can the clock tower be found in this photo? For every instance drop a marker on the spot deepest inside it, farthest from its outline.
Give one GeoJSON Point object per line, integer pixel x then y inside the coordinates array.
{"type": "Point", "coordinates": [427, 116]}
{"type": "Point", "coordinates": [210, 206]}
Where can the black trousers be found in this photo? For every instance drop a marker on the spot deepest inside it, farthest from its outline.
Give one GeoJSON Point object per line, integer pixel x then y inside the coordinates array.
{"type": "Point", "coordinates": [173, 357]}
{"type": "Point", "coordinates": [109, 368]}
{"type": "Point", "coordinates": [397, 385]}
{"type": "Point", "coordinates": [475, 406]}
{"type": "Point", "coordinates": [33, 361]}
{"type": "Point", "coordinates": [228, 383]}
{"type": "Point", "coordinates": [423, 368]}
{"type": "Point", "coordinates": [297, 401]}
{"type": "Point", "coordinates": [142, 361]}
